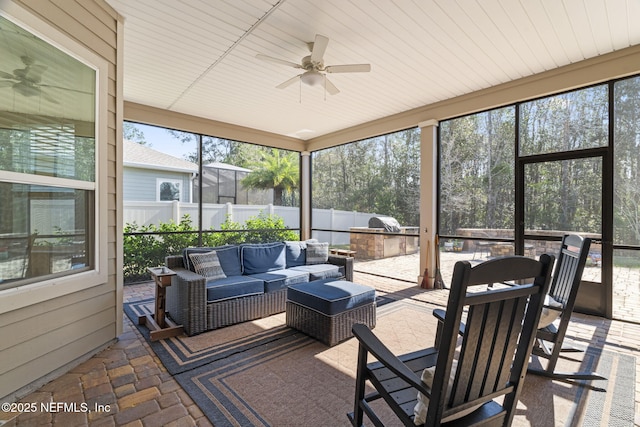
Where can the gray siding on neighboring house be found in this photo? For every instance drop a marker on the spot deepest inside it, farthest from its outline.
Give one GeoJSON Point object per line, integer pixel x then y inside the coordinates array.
{"type": "Point", "coordinates": [143, 166]}
{"type": "Point", "coordinates": [141, 185]}
{"type": "Point", "coordinates": [45, 330]}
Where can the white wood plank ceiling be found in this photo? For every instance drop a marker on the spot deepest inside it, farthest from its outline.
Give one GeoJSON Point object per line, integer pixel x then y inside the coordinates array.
{"type": "Point", "coordinates": [199, 56]}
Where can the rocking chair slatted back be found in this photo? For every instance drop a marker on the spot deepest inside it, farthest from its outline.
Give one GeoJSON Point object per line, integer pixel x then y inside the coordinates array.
{"type": "Point", "coordinates": [491, 362]}
{"type": "Point", "coordinates": [564, 289]}
{"type": "Point", "coordinates": [570, 266]}
{"type": "Point", "coordinates": [485, 361]}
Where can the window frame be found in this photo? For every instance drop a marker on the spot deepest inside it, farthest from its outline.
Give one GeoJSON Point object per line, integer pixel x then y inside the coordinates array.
{"type": "Point", "coordinates": [160, 181]}
{"type": "Point", "coordinates": [26, 294]}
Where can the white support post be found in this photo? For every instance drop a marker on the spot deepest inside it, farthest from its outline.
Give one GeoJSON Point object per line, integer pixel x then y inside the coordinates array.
{"type": "Point", "coordinates": [175, 211]}
{"type": "Point", "coordinates": [428, 200]}
{"type": "Point", "coordinates": [305, 195]}
{"type": "Point", "coordinates": [229, 214]}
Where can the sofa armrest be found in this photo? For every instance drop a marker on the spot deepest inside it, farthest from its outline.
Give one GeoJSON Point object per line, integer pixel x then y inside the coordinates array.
{"type": "Point", "coordinates": [187, 301]}
{"type": "Point", "coordinates": [343, 261]}
{"type": "Point", "coordinates": [173, 261]}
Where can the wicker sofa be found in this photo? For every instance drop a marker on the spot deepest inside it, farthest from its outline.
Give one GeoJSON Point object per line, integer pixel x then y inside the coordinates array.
{"type": "Point", "coordinates": [253, 283]}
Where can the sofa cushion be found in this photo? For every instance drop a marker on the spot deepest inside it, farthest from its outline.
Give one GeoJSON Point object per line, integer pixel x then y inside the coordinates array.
{"type": "Point", "coordinates": [331, 296]}
{"type": "Point", "coordinates": [263, 257]}
{"type": "Point", "coordinates": [229, 256]}
{"type": "Point", "coordinates": [321, 271]}
{"type": "Point", "coordinates": [233, 287]}
{"type": "Point", "coordinates": [230, 260]}
{"type": "Point", "coordinates": [317, 253]}
{"type": "Point", "coordinates": [295, 253]}
{"type": "Point", "coordinates": [279, 279]}
{"type": "Point", "coordinates": [207, 265]}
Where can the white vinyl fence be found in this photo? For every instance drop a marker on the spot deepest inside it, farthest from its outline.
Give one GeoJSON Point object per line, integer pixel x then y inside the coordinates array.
{"type": "Point", "coordinates": [213, 215]}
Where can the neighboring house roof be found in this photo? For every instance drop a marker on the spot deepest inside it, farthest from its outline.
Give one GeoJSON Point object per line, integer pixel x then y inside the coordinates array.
{"type": "Point", "coordinates": [140, 156]}
{"type": "Point", "coordinates": [218, 165]}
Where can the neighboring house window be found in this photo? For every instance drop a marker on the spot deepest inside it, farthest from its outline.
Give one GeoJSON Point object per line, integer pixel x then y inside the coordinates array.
{"type": "Point", "coordinates": [168, 190]}
{"type": "Point", "coordinates": [48, 169]}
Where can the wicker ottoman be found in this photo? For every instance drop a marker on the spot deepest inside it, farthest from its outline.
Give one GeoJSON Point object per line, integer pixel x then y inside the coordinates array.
{"type": "Point", "coordinates": [327, 309]}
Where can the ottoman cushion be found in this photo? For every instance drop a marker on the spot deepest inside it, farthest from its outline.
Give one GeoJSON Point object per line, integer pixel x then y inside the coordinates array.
{"type": "Point", "coordinates": [331, 297]}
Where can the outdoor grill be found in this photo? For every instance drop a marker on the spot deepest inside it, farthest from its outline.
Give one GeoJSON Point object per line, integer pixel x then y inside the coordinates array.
{"type": "Point", "coordinates": [389, 224]}
{"type": "Point", "coordinates": [383, 238]}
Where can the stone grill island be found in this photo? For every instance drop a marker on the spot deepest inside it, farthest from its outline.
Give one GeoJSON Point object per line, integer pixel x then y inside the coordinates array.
{"type": "Point", "coordinates": [383, 238]}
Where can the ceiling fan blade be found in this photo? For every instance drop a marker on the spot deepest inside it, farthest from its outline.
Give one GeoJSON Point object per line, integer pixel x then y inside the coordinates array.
{"type": "Point", "coordinates": [66, 89]}
{"type": "Point", "coordinates": [348, 68]}
{"type": "Point", "coordinates": [278, 61]}
{"type": "Point", "coordinates": [48, 97]}
{"type": "Point", "coordinates": [289, 82]}
{"type": "Point", "coordinates": [34, 72]}
{"type": "Point", "coordinates": [330, 87]}
{"type": "Point", "coordinates": [319, 46]}
{"type": "Point", "coordinates": [26, 89]}
{"type": "Point", "coordinates": [7, 75]}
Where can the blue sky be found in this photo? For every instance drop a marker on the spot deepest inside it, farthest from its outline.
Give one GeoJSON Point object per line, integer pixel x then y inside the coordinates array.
{"type": "Point", "coordinates": [161, 140]}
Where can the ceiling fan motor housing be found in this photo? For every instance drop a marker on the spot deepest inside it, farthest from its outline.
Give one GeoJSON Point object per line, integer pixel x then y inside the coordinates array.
{"type": "Point", "coordinates": [308, 65]}
{"type": "Point", "coordinates": [314, 68]}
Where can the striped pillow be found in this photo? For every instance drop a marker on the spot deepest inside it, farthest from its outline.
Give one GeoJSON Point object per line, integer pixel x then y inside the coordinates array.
{"type": "Point", "coordinates": [207, 265]}
{"type": "Point", "coordinates": [317, 253]}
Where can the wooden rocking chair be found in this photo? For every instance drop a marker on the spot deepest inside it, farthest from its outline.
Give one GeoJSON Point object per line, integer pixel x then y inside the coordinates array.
{"type": "Point", "coordinates": [564, 290]}
{"type": "Point", "coordinates": [491, 362]}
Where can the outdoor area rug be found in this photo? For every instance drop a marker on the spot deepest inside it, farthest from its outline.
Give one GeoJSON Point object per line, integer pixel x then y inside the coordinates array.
{"type": "Point", "coordinates": [262, 373]}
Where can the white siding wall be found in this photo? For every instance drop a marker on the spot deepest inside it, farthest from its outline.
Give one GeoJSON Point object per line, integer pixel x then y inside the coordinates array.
{"type": "Point", "coordinates": [141, 184]}
{"type": "Point", "coordinates": [46, 329]}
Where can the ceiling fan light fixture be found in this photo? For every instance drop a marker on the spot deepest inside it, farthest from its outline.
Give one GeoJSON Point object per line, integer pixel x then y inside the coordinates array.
{"type": "Point", "coordinates": [314, 68]}
{"type": "Point", "coordinates": [312, 78]}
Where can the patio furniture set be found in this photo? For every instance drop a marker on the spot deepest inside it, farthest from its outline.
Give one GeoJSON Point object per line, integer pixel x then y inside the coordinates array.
{"type": "Point", "coordinates": [214, 287]}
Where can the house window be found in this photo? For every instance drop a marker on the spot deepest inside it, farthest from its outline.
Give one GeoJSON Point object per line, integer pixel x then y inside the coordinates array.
{"type": "Point", "coordinates": [168, 190]}
{"type": "Point", "coordinates": [47, 159]}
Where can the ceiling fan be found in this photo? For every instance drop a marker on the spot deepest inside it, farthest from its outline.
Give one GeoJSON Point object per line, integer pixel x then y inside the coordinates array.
{"type": "Point", "coordinates": [314, 68]}
{"type": "Point", "coordinates": [27, 81]}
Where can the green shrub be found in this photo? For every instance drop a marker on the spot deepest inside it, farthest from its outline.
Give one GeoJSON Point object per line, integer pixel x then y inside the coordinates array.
{"type": "Point", "coordinates": [233, 234]}
{"type": "Point", "coordinates": [271, 229]}
{"type": "Point", "coordinates": [142, 250]}
{"type": "Point", "coordinates": [139, 251]}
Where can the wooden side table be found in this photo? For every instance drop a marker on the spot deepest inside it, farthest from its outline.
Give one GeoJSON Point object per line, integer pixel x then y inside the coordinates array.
{"type": "Point", "coordinates": [345, 252]}
{"type": "Point", "coordinates": [160, 326]}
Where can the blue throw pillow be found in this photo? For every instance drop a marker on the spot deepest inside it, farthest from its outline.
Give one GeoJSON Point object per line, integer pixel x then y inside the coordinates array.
{"type": "Point", "coordinates": [263, 257]}
{"type": "Point", "coordinates": [228, 255]}
{"type": "Point", "coordinates": [296, 253]}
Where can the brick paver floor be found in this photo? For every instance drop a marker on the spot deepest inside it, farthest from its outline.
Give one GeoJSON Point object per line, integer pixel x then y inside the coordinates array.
{"type": "Point", "coordinates": [134, 389]}
{"type": "Point", "coordinates": [626, 280]}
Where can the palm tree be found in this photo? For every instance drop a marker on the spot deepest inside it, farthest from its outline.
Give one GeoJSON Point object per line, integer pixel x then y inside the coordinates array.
{"type": "Point", "coordinates": [278, 170]}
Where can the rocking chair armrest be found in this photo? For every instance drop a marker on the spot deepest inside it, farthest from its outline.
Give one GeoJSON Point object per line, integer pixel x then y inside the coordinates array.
{"type": "Point", "coordinates": [385, 357]}
{"type": "Point", "coordinates": [440, 314]}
